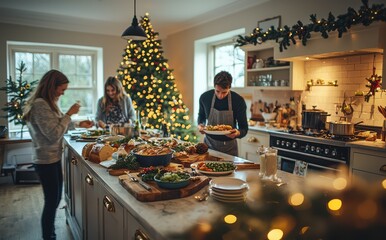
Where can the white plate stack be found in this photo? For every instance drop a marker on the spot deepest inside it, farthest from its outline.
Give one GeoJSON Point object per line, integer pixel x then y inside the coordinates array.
{"type": "Point", "coordinates": [228, 189]}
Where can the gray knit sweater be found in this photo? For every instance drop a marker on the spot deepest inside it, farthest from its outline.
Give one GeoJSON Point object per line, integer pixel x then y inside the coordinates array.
{"type": "Point", "coordinates": [47, 129]}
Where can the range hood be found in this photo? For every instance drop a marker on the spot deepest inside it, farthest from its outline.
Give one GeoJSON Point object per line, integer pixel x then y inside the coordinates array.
{"type": "Point", "coordinates": [358, 40]}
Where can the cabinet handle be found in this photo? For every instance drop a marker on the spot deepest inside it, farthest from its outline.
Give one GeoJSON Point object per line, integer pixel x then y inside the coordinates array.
{"type": "Point", "coordinates": [89, 179]}
{"type": "Point", "coordinates": [74, 161]}
{"type": "Point", "coordinates": [139, 235]}
{"type": "Point", "coordinates": [109, 205]}
{"type": "Point", "coordinates": [383, 168]}
{"type": "Point", "coordinates": [252, 139]}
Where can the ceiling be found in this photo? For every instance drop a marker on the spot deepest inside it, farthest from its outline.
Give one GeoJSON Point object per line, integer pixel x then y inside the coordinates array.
{"type": "Point", "coordinates": [112, 17]}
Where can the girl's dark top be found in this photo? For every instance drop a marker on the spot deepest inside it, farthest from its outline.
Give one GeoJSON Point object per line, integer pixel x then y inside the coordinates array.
{"type": "Point", "coordinates": [239, 108]}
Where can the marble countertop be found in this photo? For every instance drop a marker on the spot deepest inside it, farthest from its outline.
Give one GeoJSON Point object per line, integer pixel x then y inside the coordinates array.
{"type": "Point", "coordinates": [163, 219]}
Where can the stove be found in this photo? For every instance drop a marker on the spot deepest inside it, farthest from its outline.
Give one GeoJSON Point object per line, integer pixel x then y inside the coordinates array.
{"type": "Point", "coordinates": [321, 151]}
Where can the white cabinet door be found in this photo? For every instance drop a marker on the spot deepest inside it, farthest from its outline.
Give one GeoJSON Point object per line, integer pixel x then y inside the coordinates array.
{"type": "Point", "coordinates": [92, 207]}
{"type": "Point", "coordinates": [112, 217]}
{"type": "Point", "coordinates": [250, 143]}
{"type": "Point", "coordinates": [367, 165]}
{"type": "Point", "coordinates": [134, 229]}
{"type": "Point", "coordinates": [75, 195]}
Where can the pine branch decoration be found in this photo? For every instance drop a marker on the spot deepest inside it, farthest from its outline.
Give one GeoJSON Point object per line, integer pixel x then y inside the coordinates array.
{"type": "Point", "coordinates": [285, 36]}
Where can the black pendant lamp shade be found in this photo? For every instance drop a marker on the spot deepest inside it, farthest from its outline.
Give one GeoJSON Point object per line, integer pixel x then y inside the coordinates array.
{"type": "Point", "coordinates": [134, 32]}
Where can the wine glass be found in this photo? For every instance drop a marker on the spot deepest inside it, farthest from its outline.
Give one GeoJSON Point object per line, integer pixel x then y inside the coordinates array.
{"type": "Point", "coordinates": [144, 122]}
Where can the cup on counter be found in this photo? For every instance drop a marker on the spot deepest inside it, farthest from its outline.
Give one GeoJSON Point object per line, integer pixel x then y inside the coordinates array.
{"type": "Point", "coordinates": [268, 163]}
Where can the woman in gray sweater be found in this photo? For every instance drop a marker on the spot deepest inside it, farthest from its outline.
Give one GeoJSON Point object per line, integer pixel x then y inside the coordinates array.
{"type": "Point", "coordinates": [47, 125]}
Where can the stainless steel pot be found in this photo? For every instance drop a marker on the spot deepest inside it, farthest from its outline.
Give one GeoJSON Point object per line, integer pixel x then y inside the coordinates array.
{"type": "Point", "coordinates": [342, 127]}
{"type": "Point", "coordinates": [314, 118]}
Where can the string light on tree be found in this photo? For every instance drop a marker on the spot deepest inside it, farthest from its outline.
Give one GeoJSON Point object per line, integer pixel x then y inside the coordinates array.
{"type": "Point", "coordinates": [146, 76]}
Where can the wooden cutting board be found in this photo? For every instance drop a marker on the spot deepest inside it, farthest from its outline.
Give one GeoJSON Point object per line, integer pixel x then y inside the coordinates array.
{"type": "Point", "coordinates": [159, 194]}
{"type": "Point", "coordinates": [192, 158]}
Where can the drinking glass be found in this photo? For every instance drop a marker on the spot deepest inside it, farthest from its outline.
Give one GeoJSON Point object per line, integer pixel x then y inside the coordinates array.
{"type": "Point", "coordinates": [144, 122]}
{"type": "Point", "coordinates": [268, 163]}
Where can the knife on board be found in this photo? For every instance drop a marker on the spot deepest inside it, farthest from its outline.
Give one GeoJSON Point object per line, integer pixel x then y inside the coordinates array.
{"type": "Point", "coordinates": [142, 183]}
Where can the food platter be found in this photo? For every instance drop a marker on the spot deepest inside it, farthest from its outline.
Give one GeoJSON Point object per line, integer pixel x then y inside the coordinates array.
{"type": "Point", "coordinates": [213, 173]}
{"type": "Point", "coordinates": [86, 136]}
{"type": "Point", "coordinates": [217, 132]}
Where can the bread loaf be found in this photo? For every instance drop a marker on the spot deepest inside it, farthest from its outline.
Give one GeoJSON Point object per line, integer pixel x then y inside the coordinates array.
{"type": "Point", "coordinates": [87, 149]}
{"type": "Point", "coordinates": [100, 152]}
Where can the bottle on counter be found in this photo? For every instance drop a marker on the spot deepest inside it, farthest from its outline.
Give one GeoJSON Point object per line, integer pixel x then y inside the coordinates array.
{"type": "Point", "coordinates": [165, 130]}
{"type": "Point", "coordinates": [137, 130]}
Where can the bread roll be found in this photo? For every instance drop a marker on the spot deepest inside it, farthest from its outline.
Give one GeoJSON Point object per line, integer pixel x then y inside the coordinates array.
{"type": "Point", "coordinates": [87, 149]}
{"type": "Point", "coordinates": [100, 152]}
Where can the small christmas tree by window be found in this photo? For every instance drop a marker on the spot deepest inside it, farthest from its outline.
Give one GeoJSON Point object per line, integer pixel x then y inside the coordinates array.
{"type": "Point", "coordinates": [147, 78]}
{"type": "Point", "coordinates": [18, 92]}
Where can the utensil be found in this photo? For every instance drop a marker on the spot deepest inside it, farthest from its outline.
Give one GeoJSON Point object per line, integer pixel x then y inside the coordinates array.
{"type": "Point", "coordinates": [203, 196]}
{"type": "Point", "coordinates": [143, 184]}
{"type": "Point", "coordinates": [382, 110]}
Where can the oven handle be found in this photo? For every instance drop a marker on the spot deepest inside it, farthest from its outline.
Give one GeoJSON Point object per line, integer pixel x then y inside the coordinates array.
{"type": "Point", "coordinates": [310, 164]}
{"type": "Point", "coordinates": [310, 155]}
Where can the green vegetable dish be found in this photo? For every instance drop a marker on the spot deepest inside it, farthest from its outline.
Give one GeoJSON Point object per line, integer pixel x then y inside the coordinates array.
{"type": "Point", "coordinates": [172, 177]}
{"type": "Point", "coordinates": [220, 167]}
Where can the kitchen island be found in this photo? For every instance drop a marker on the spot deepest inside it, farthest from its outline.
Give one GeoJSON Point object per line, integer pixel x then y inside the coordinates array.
{"type": "Point", "coordinates": [157, 220]}
{"type": "Point", "coordinates": [98, 207]}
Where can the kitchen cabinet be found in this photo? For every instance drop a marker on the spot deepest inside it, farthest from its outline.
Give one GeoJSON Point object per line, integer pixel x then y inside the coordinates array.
{"type": "Point", "coordinates": [368, 165]}
{"type": "Point", "coordinates": [249, 144]}
{"type": "Point", "coordinates": [112, 219]}
{"type": "Point", "coordinates": [92, 209]}
{"type": "Point", "coordinates": [73, 192]}
{"type": "Point", "coordinates": [279, 75]}
{"type": "Point", "coordinates": [135, 230]}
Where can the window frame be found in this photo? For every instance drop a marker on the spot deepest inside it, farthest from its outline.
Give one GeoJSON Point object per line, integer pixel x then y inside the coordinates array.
{"type": "Point", "coordinates": [55, 50]}
{"type": "Point", "coordinates": [211, 60]}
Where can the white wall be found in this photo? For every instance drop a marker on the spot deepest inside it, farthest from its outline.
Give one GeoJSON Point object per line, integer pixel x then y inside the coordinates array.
{"type": "Point", "coordinates": [179, 46]}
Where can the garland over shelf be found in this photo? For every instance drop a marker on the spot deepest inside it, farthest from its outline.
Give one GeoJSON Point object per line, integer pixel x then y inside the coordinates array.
{"type": "Point", "coordinates": [284, 36]}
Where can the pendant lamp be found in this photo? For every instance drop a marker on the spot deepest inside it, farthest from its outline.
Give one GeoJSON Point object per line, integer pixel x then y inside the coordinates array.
{"type": "Point", "coordinates": [134, 32]}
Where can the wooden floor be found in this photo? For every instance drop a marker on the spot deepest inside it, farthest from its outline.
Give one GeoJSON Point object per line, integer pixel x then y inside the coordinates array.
{"type": "Point", "coordinates": [20, 210]}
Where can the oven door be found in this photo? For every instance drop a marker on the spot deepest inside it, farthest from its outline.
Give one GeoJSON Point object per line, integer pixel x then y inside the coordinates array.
{"type": "Point", "coordinates": [287, 160]}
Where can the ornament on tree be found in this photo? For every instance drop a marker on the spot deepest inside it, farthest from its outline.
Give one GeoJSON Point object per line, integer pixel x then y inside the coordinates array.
{"type": "Point", "coordinates": [151, 86]}
{"type": "Point", "coordinates": [17, 92]}
{"type": "Point", "coordinates": [374, 83]}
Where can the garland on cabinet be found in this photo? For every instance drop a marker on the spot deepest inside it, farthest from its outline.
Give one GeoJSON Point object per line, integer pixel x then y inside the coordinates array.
{"type": "Point", "coordinates": [284, 36]}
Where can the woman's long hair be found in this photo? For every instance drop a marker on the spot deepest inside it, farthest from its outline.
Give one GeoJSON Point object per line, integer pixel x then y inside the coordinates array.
{"type": "Point", "coordinates": [46, 89]}
{"type": "Point", "coordinates": [117, 85]}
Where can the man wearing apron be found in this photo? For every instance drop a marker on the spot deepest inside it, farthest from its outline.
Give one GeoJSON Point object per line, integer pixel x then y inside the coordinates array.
{"type": "Point", "coordinates": [223, 106]}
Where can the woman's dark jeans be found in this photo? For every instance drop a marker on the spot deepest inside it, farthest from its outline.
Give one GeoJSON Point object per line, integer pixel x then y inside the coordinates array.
{"type": "Point", "coordinates": [51, 178]}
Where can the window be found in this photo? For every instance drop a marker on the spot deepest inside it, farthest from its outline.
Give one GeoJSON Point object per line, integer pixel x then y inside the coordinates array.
{"type": "Point", "coordinates": [228, 58]}
{"type": "Point", "coordinates": [79, 64]}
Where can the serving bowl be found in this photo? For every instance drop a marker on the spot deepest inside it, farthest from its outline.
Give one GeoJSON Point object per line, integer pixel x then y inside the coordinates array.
{"type": "Point", "coordinates": [269, 116]}
{"type": "Point", "coordinates": [153, 160]}
{"type": "Point", "coordinates": [172, 180]}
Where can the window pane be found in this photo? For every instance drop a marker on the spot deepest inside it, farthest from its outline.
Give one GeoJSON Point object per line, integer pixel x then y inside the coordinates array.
{"type": "Point", "coordinates": [78, 69]}
{"type": "Point", "coordinates": [231, 59]}
{"type": "Point", "coordinates": [36, 65]}
{"type": "Point", "coordinates": [67, 65]}
{"type": "Point", "coordinates": [71, 96]}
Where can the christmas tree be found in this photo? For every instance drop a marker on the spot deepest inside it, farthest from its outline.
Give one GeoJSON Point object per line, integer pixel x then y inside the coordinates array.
{"type": "Point", "coordinates": [147, 78]}
{"type": "Point", "coordinates": [18, 92]}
